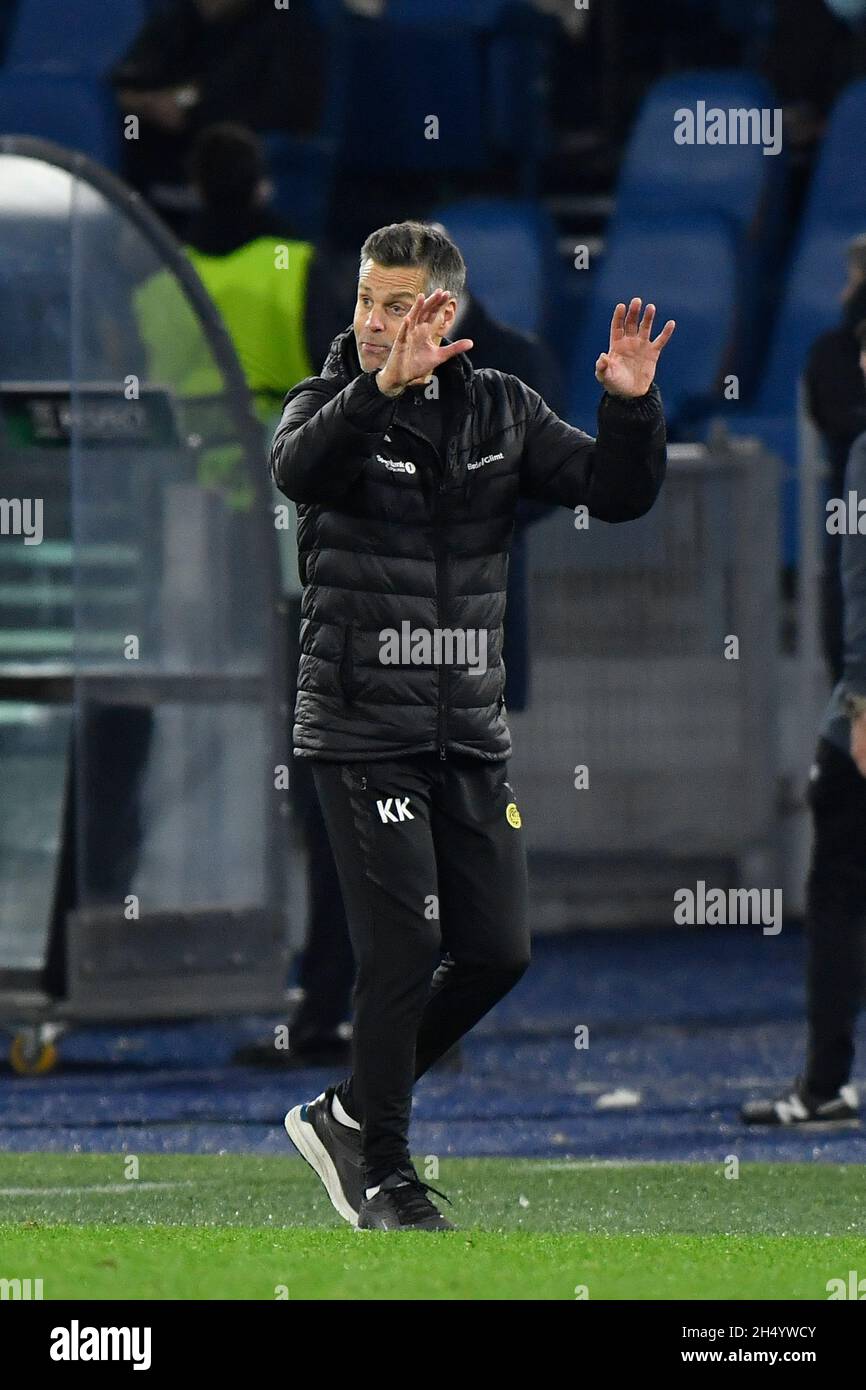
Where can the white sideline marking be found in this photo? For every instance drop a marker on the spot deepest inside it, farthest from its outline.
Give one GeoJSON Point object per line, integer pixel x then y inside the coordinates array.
{"type": "Point", "coordinates": [130, 1186]}
{"type": "Point", "coordinates": [615, 1163]}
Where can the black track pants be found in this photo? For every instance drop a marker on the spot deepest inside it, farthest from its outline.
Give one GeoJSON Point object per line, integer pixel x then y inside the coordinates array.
{"type": "Point", "coordinates": [432, 865]}
{"type": "Point", "coordinates": [835, 918]}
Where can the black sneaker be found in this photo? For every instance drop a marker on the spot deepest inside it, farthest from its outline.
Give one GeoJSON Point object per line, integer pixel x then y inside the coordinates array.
{"type": "Point", "coordinates": [332, 1150]}
{"type": "Point", "coordinates": [402, 1204]}
{"type": "Point", "coordinates": [797, 1107]}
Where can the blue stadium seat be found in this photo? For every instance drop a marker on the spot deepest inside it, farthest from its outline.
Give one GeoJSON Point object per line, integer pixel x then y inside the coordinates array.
{"type": "Point", "coordinates": [835, 212]}
{"type": "Point", "coordinates": [838, 188]}
{"type": "Point", "coordinates": [517, 59]}
{"type": "Point", "coordinates": [301, 170]}
{"type": "Point", "coordinates": [66, 36]}
{"type": "Point", "coordinates": [689, 271]}
{"type": "Point", "coordinates": [391, 132]}
{"type": "Point", "coordinates": [489, 105]}
{"type": "Point", "coordinates": [510, 253]}
{"type": "Point", "coordinates": [75, 112]}
{"type": "Point", "coordinates": [660, 175]}
{"type": "Point", "coordinates": [811, 306]}
{"type": "Point", "coordinates": [328, 11]}
{"type": "Point", "coordinates": [738, 182]}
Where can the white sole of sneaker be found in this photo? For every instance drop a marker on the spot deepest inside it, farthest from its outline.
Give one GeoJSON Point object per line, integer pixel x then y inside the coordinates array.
{"type": "Point", "coordinates": [312, 1150]}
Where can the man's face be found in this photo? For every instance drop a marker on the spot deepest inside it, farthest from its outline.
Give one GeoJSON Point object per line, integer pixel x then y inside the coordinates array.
{"type": "Point", "coordinates": [385, 296]}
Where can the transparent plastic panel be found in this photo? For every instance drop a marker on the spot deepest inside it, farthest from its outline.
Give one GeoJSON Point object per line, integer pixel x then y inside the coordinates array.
{"type": "Point", "coordinates": [145, 586]}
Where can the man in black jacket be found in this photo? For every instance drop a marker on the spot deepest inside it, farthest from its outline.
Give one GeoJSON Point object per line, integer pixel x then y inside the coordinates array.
{"type": "Point", "coordinates": [326, 968]}
{"type": "Point", "coordinates": [407, 466]}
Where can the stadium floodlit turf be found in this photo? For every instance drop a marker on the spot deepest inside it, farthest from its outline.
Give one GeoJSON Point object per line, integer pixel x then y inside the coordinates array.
{"type": "Point", "coordinates": [601, 1168]}
{"type": "Point", "coordinates": [244, 1227]}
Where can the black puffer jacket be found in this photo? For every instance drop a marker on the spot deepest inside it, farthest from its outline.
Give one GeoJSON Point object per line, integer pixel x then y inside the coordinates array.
{"type": "Point", "coordinates": [389, 534]}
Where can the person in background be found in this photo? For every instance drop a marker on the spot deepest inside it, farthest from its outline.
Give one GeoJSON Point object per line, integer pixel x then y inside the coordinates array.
{"type": "Point", "coordinates": [812, 54]}
{"type": "Point", "coordinates": [836, 887]}
{"type": "Point", "coordinates": [200, 62]}
{"type": "Point", "coordinates": [836, 401]}
{"type": "Point", "coordinates": [273, 290]}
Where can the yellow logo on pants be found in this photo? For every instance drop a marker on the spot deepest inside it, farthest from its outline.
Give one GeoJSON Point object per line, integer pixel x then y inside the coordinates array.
{"type": "Point", "coordinates": [513, 815]}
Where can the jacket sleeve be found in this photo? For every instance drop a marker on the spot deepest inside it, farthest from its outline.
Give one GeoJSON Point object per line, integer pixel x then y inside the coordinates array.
{"type": "Point", "coordinates": [854, 581]}
{"type": "Point", "coordinates": [617, 475]}
{"type": "Point", "coordinates": [321, 442]}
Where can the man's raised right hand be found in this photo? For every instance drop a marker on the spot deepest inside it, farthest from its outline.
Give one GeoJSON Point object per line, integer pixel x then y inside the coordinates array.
{"type": "Point", "coordinates": [413, 353]}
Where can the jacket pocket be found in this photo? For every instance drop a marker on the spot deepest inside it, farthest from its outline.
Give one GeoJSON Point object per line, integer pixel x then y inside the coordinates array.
{"type": "Point", "coordinates": [347, 664]}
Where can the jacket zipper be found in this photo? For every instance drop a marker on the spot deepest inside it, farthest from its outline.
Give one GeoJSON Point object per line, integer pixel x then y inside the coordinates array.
{"type": "Point", "coordinates": [440, 585]}
{"type": "Point", "coordinates": [440, 572]}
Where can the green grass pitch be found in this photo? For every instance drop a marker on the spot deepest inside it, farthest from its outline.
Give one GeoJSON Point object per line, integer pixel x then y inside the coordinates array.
{"type": "Point", "coordinates": [243, 1227]}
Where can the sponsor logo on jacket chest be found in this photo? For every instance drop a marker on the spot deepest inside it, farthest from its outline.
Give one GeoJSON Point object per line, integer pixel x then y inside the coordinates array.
{"type": "Point", "coordinates": [479, 463]}
{"type": "Point", "coordinates": [406, 465]}
{"type": "Point", "coordinates": [397, 465]}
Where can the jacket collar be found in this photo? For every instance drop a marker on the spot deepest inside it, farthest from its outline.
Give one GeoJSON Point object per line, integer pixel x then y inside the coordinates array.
{"type": "Point", "coordinates": [342, 362]}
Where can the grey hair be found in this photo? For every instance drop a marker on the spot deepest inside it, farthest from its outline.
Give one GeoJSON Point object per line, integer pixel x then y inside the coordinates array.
{"type": "Point", "coordinates": [419, 244]}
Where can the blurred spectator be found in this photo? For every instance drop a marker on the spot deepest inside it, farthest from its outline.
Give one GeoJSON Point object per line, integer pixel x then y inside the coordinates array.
{"type": "Point", "coordinates": [281, 317]}
{"type": "Point", "coordinates": [197, 62]}
{"type": "Point", "coordinates": [273, 292]}
{"type": "Point", "coordinates": [813, 55]}
{"type": "Point", "coordinates": [836, 401]}
{"type": "Point", "coordinates": [573, 81]}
